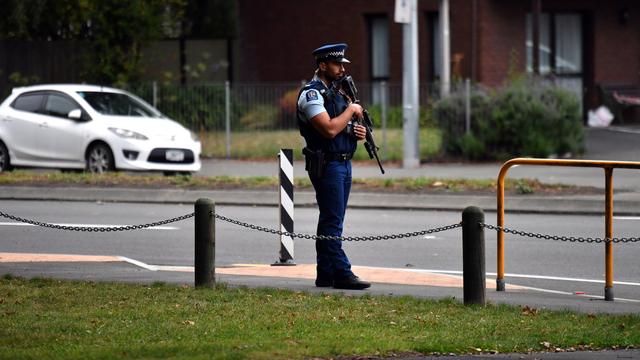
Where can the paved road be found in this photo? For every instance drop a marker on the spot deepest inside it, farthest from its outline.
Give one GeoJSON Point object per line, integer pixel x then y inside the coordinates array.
{"type": "Point", "coordinates": [544, 264]}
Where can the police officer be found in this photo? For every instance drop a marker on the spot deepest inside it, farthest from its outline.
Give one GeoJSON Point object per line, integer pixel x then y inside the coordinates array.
{"type": "Point", "coordinates": [325, 120]}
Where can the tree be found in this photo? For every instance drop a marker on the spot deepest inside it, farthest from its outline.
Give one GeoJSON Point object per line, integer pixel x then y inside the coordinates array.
{"type": "Point", "coordinates": [118, 30]}
{"type": "Point", "coordinates": [114, 30]}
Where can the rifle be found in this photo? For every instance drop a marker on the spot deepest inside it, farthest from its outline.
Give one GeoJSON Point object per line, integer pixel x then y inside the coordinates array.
{"type": "Point", "coordinates": [349, 87]}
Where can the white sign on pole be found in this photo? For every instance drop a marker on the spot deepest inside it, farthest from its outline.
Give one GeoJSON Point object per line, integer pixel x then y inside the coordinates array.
{"type": "Point", "coordinates": [403, 12]}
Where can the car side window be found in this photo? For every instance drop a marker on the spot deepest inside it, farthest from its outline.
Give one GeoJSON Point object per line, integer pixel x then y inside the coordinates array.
{"type": "Point", "coordinates": [31, 102]}
{"type": "Point", "coordinates": [59, 105]}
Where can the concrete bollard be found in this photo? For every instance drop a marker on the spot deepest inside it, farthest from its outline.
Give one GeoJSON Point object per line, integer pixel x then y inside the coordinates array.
{"type": "Point", "coordinates": [205, 243]}
{"type": "Point", "coordinates": [473, 269]}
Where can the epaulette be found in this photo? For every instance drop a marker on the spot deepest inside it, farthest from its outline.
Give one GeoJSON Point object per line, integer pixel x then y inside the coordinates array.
{"type": "Point", "coordinates": [322, 89]}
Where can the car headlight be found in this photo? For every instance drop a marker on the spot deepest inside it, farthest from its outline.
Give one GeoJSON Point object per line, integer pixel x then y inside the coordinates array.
{"type": "Point", "coordinates": [128, 134]}
{"type": "Point", "coordinates": [194, 136]}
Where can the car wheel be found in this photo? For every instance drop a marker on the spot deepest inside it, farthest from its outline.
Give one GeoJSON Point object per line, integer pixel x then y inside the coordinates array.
{"type": "Point", "coordinates": [100, 159]}
{"type": "Point", "coordinates": [5, 161]}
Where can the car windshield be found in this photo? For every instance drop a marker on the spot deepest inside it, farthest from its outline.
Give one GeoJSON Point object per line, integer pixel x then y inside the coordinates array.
{"type": "Point", "coordinates": [108, 103]}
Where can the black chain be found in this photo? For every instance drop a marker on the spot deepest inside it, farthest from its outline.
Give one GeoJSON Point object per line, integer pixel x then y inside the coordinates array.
{"type": "Point", "coordinates": [236, 222]}
{"type": "Point", "coordinates": [321, 237]}
{"type": "Point", "coordinates": [340, 238]}
{"type": "Point", "coordinates": [95, 229]}
{"type": "Point", "coordinates": [588, 240]}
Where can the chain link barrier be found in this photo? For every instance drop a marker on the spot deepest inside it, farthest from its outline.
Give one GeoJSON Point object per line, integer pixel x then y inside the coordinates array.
{"type": "Point", "coordinates": [94, 228]}
{"type": "Point", "coordinates": [573, 239]}
{"type": "Point", "coordinates": [232, 221]}
{"type": "Point", "coordinates": [340, 238]}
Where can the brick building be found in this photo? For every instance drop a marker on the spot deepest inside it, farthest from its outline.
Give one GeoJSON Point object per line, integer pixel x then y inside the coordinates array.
{"type": "Point", "coordinates": [584, 44]}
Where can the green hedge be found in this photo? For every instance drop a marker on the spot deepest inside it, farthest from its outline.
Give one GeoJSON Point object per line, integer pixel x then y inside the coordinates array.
{"type": "Point", "coordinates": [527, 117]}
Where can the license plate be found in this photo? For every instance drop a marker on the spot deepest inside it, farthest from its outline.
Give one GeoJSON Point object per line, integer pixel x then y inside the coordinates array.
{"type": "Point", "coordinates": [174, 155]}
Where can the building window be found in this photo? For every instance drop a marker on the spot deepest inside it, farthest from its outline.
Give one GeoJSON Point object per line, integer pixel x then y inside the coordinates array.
{"type": "Point", "coordinates": [379, 48]}
{"type": "Point", "coordinates": [561, 50]}
{"type": "Point", "coordinates": [379, 40]}
{"type": "Point", "coordinates": [435, 48]}
{"type": "Point", "coordinates": [560, 44]}
{"type": "Point", "coordinates": [568, 44]}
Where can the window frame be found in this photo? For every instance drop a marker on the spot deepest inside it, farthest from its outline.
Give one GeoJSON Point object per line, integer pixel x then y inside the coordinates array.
{"type": "Point", "coordinates": [65, 96]}
{"type": "Point", "coordinates": [553, 51]}
{"type": "Point", "coordinates": [433, 33]}
{"type": "Point", "coordinates": [370, 21]}
{"type": "Point", "coordinates": [40, 110]}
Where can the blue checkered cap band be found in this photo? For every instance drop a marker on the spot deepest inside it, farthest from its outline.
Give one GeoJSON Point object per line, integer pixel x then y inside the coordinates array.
{"type": "Point", "coordinates": [331, 52]}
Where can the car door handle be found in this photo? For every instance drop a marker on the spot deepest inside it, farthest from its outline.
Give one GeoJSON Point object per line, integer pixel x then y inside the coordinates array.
{"type": "Point", "coordinates": [43, 125]}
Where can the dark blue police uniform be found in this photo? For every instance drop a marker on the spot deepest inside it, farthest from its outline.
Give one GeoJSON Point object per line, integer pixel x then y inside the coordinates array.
{"type": "Point", "coordinates": [333, 185]}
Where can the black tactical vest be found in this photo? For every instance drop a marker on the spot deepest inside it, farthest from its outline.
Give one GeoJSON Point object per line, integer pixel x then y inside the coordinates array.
{"type": "Point", "coordinates": [335, 104]}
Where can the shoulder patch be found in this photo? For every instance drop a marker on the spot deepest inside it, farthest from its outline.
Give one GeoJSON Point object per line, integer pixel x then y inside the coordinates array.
{"type": "Point", "coordinates": [312, 95]}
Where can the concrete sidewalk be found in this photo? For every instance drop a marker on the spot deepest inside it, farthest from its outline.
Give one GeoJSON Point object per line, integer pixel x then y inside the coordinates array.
{"type": "Point", "coordinates": [613, 143]}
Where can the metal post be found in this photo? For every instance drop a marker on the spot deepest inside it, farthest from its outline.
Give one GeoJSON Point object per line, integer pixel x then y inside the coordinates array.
{"type": "Point", "coordinates": [473, 269]}
{"type": "Point", "coordinates": [227, 115]}
{"type": "Point", "coordinates": [286, 206]}
{"type": "Point", "coordinates": [383, 115]}
{"type": "Point", "coordinates": [155, 94]}
{"type": "Point", "coordinates": [204, 262]}
{"type": "Point", "coordinates": [608, 223]}
{"type": "Point", "coordinates": [467, 105]}
{"type": "Point", "coordinates": [500, 210]}
{"type": "Point", "coordinates": [410, 90]}
{"type": "Point", "coordinates": [445, 77]}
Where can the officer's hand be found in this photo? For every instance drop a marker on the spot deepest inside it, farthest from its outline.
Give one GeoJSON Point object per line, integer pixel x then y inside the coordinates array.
{"type": "Point", "coordinates": [357, 110]}
{"type": "Point", "coordinates": [360, 132]}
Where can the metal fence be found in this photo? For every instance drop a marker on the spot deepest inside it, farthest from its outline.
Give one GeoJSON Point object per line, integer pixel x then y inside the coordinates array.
{"type": "Point", "coordinates": [229, 114]}
{"type": "Point", "coordinates": [260, 106]}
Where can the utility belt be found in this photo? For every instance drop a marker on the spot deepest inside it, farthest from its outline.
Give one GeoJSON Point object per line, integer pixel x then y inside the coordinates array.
{"type": "Point", "coordinates": [315, 161]}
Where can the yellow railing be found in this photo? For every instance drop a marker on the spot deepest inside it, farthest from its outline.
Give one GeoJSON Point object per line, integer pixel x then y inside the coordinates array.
{"type": "Point", "coordinates": [608, 167]}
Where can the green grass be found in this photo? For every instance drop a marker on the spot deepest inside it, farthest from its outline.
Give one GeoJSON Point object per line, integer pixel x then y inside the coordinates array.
{"type": "Point", "coordinates": [82, 320]}
{"type": "Point", "coordinates": [266, 144]}
{"type": "Point", "coordinates": [417, 184]}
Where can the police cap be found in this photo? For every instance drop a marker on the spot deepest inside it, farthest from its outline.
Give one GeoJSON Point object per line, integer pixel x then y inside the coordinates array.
{"type": "Point", "coordinates": [331, 52]}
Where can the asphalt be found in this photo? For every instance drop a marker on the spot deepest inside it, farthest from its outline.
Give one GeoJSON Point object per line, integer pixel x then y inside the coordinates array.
{"type": "Point", "coordinates": [602, 144]}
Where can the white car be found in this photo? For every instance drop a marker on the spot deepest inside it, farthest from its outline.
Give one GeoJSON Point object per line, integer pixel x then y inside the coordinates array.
{"type": "Point", "coordinates": [93, 128]}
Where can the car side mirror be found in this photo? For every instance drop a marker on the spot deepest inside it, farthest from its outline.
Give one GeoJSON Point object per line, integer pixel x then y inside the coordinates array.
{"type": "Point", "coordinates": [75, 114]}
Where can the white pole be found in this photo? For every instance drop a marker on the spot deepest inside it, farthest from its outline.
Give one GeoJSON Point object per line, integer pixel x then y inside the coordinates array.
{"type": "Point", "coordinates": [445, 77]}
{"type": "Point", "coordinates": [410, 92]}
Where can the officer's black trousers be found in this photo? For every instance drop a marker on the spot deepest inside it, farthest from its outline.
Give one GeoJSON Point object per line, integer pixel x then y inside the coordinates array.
{"type": "Point", "coordinates": [332, 194]}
